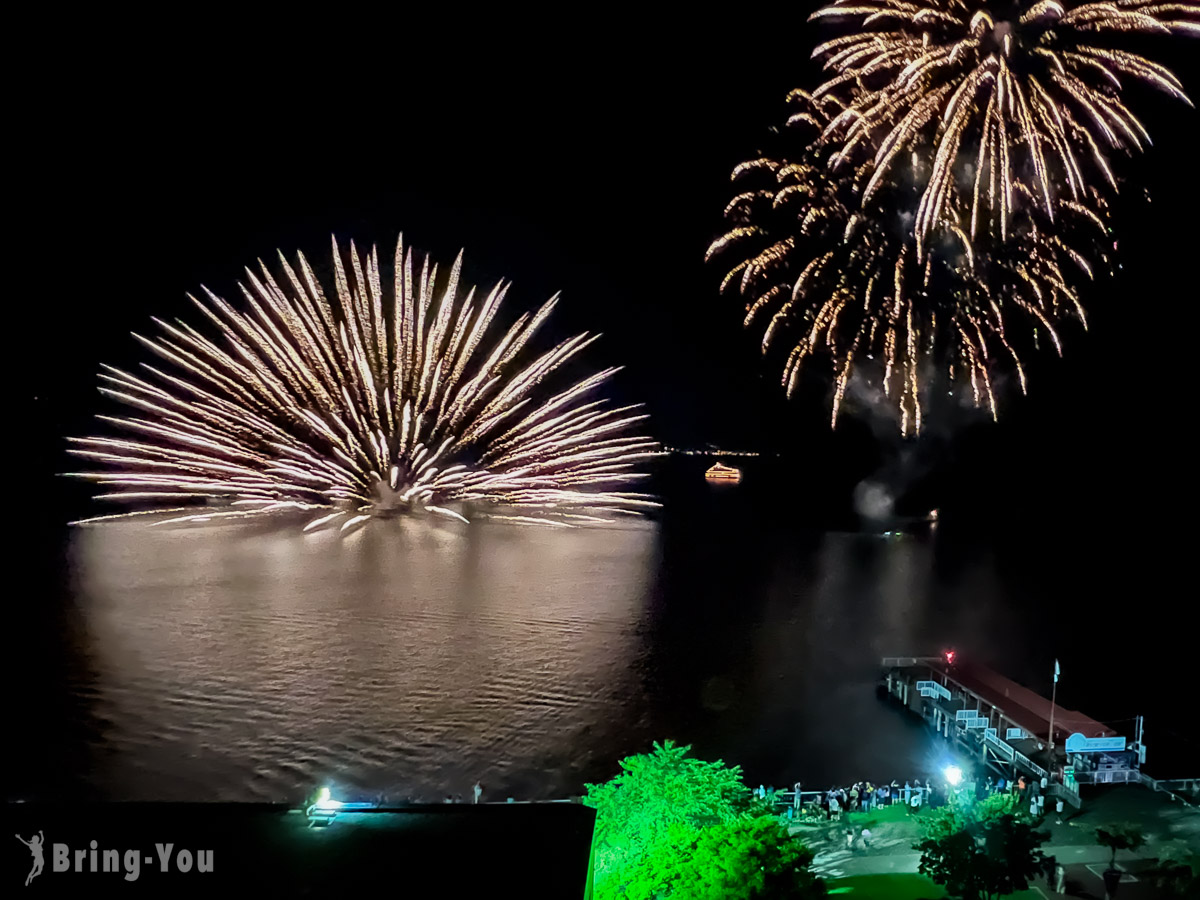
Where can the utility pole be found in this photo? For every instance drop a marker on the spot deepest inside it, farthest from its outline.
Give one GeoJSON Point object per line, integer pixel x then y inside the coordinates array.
{"type": "Point", "coordinates": [1053, 698]}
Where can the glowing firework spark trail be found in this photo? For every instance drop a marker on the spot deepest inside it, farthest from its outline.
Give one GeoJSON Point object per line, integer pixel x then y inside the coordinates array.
{"type": "Point", "coordinates": [850, 284]}
{"type": "Point", "coordinates": [367, 404]}
{"type": "Point", "coordinates": [1001, 92]}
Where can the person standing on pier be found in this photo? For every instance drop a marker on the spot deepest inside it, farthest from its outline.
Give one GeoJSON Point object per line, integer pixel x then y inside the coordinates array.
{"type": "Point", "coordinates": [478, 789]}
{"type": "Point", "coordinates": [796, 798]}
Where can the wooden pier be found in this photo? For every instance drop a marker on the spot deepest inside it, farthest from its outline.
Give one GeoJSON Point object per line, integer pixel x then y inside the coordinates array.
{"type": "Point", "coordinates": [1012, 730]}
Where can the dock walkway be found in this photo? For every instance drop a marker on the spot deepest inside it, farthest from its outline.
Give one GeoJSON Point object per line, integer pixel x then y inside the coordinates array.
{"type": "Point", "coordinates": [1164, 822]}
{"type": "Point", "coordinates": [1014, 730]}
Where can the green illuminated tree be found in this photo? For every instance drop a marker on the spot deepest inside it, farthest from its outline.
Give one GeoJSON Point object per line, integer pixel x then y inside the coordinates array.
{"type": "Point", "coordinates": [752, 858]}
{"type": "Point", "coordinates": [672, 826]}
{"type": "Point", "coordinates": [982, 850]}
{"type": "Point", "coordinates": [656, 791]}
{"type": "Point", "coordinates": [961, 811]}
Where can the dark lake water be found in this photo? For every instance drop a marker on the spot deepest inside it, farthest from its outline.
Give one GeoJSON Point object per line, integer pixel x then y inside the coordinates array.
{"type": "Point", "coordinates": [413, 659]}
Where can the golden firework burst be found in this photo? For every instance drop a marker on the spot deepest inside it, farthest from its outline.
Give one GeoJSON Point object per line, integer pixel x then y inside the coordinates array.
{"type": "Point", "coordinates": [364, 404]}
{"type": "Point", "coordinates": [852, 286]}
{"type": "Point", "coordinates": [1002, 96]}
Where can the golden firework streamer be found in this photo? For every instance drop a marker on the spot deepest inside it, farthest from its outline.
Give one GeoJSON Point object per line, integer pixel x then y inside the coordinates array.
{"type": "Point", "coordinates": [1027, 98]}
{"type": "Point", "coordinates": [364, 405]}
{"type": "Point", "coordinates": [856, 286]}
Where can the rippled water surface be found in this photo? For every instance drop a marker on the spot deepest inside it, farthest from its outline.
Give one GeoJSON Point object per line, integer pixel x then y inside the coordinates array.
{"type": "Point", "coordinates": [399, 659]}
{"type": "Point", "coordinates": [412, 659]}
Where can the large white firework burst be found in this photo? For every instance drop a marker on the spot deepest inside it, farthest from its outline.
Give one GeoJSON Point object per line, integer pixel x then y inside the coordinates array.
{"type": "Point", "coordinates": [993, 93]}
{"type": "Point", "coordinates": [364, 404]}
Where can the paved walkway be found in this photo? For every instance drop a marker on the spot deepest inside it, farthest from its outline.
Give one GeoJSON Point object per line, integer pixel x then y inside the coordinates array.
{"type": "Point", "coordinates": [1072, 840]}
{"type": "Point", "coordinates": [843, 863]}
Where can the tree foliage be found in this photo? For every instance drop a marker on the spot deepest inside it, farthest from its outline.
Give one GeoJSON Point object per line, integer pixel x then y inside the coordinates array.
{"type": "Point", "coordinates": [751, 858]}
{"type": "Point", "coordinates": [981, 850]}
{"type": "Point", "coordinates": [672, 826]}
{"type": "Point", "coordinates": [1178, 873]}
{"type": "Point", "coordinates": [656, 791]}
{"type": "Point", "coordinates": [1119, 837]}
{"type": "Point", "coordinates": [960, 811]}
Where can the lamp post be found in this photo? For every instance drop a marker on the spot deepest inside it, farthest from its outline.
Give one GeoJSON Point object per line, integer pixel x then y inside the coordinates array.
{"type": "Point", "coordinates": [1053, 698]}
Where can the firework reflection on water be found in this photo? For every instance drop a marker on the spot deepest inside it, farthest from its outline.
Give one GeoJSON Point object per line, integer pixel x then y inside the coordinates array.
{"type": "Point", "coordinates": [412, 658]}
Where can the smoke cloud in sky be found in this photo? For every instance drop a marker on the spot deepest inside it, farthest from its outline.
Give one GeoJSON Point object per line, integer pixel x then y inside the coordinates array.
{"type": "Point", "coordinates": [873, 500]}
{"type": "Point", "coordinates": [949, 409]}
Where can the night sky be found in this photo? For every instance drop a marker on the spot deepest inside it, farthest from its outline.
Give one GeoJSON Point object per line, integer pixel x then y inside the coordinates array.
{"type": "Point", "coordinates": [587, 154]}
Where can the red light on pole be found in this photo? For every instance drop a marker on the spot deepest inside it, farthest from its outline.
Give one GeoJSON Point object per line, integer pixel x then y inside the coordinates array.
{"type": "Point", "coordinates": [949, 657]}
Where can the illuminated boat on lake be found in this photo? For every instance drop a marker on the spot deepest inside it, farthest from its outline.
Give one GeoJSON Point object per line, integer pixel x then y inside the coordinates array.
{"type": "Point", "coordinates": [721, 472]}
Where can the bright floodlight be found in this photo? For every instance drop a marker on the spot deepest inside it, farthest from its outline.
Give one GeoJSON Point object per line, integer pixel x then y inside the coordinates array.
{"type": "Point", "coordinates": [953, 775]}
{"type": "Point", "coordinates": [325, 802]}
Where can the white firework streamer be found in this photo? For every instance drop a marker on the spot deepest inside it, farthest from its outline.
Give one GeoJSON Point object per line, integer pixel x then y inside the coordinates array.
{"type": "Point", "coordinates": [362, 405]}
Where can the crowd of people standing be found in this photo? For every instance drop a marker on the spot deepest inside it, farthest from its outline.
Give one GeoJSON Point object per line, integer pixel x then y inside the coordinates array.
{"type": "Point", "coordinates": [863, 796]}
{"type": "Point", "coordinates": [914, 794]}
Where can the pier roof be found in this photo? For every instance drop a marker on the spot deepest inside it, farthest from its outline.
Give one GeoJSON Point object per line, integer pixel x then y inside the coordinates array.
{"type": "Point", "coordinates": [1025, 708]}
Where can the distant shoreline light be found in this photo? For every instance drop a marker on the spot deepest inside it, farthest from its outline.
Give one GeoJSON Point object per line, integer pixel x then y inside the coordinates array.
{"type": "Point", "coordinates": [681, 451]}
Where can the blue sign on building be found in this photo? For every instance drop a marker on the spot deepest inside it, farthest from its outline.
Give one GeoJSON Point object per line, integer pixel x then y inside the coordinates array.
{"type": "Point", "coordinates": [1077, 743]}
{"type": "Point", "coordinates": [1014, 734]}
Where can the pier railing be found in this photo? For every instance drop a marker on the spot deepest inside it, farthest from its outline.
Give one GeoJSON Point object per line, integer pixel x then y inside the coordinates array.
{"type": "Point", "coordinates": [1174, 784]}
{"type": "Point", "coordinates": [1030, 764]}
{"type": "Point", "coordinates": [901, 662]}
{"type": "Point", "coordinates": [1109, 776]}
{"type": "Point", "coordinates": [1174, 787]}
